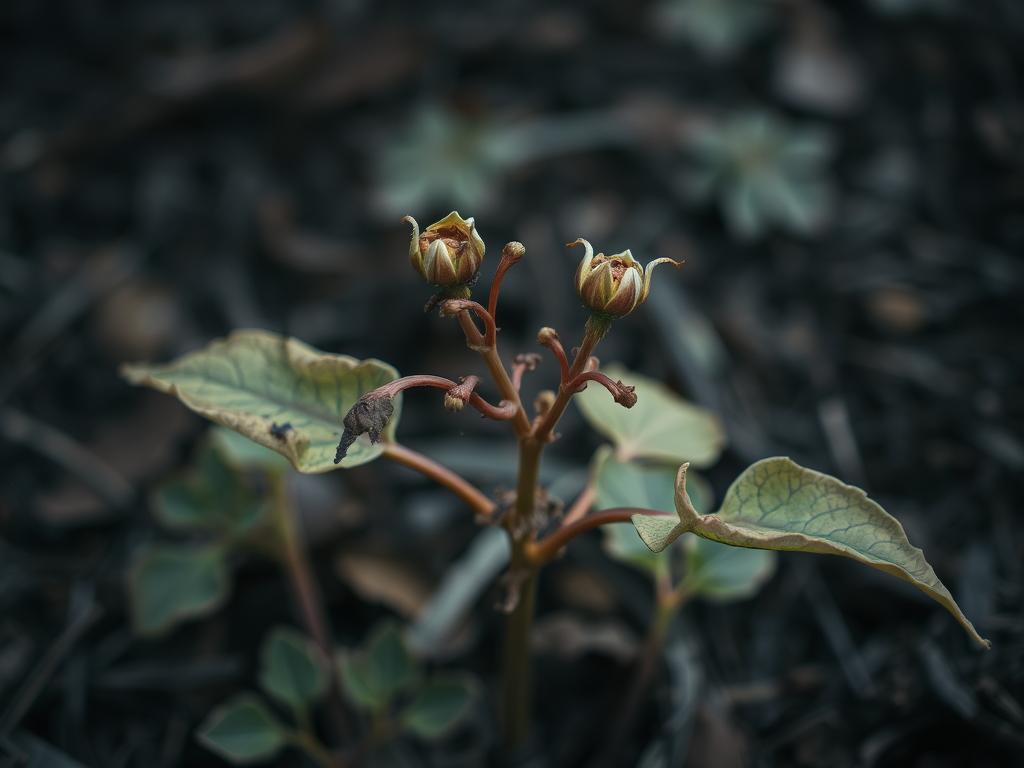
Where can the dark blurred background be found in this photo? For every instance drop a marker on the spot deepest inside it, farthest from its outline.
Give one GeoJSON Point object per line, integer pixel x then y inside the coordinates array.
{"type": "Point", "coordinates": [844, 181]}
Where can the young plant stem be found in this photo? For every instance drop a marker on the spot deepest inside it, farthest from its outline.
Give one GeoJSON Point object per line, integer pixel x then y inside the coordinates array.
{"type": "Point", "coordinates": [295, 560]}
{"type": "Point", "coordinates": [441, 475]}
{"type": "Point", "coordinates": [596, 328]}
{"type": "Point", "coordinates": [516, 662]}
{"type": "Point", "coordinates": [516, 685]}
{"type": "Point", "coordinates": [650, 655]}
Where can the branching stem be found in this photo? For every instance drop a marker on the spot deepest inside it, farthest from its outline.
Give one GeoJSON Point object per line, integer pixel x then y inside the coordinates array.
{"type": "Point", "coordinates": [545, 550]}
{"type": "Point", "coordinates": [506, 411]}
{"type": "Point", "coordinates": [443, 476]}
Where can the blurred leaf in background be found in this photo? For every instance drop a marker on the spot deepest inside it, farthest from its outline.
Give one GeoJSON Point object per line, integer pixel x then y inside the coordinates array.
{"type": "Point", "coordinates": [763, 173]}
{"type": "Point", "coordinates": [718, 29]}
{"type": "Point", "coordinates": [457, 161]}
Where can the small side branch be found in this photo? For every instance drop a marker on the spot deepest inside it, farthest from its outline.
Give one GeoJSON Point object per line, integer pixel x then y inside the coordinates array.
{"type": "Point", "coordinates": [548, 337]}
{"type": "Point", "coordinates": [624, 394]}
{"type": "Point", "coordinates": [521, 365]}
{"type": "Point", "coordinates": [510, 256]}
{"type": "Point", "coordinates": [466, 491]}
{"type": "Point", "coordinates": [372, 412]}
{"type": "Point", "coordinates": [547, 549]}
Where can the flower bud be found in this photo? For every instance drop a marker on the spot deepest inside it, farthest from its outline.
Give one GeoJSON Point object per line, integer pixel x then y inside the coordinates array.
{"type": "Point", "coordinates": [453, 402]}
{"type": "Point", "coordinates": [448, 253]}
{"type": "Point", "coordinates": [613, 286]}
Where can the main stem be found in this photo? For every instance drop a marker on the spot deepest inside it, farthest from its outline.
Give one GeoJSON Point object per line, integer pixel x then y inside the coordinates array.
{"type": "Point", "coordinates": [516, 663]}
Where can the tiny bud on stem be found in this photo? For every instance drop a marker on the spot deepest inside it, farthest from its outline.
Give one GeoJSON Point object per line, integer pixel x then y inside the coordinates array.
{"type": "Point", "coordinates": [457, 397]}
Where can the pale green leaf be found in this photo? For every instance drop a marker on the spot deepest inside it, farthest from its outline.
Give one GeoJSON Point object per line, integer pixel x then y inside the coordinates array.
{"type": "Point", "coordinates": [661, 426]}
{"type": "Point", "coordinates": [242, 731]}
{"type": "Point", "coordinates": [277, 391]}
{"type": "Point", "coordinates": [384, 668]}
{"type": "Point", "coordinates": [179, 505]}
{"type": "Point", "coordinates": [213, 496]}
{"type": "Point", "coordinates": [171, 583]}
{"type": "Point", "coordinates": [292, 669]}
{"type": "Point", "coordinates": [777, 504]}
{"type": "Point", "coordinates": [722, 573]}
{"type": "Point", "coordinates": [438, 707]}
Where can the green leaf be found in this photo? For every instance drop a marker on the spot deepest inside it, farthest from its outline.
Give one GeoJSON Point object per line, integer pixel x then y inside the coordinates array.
{"type": "Point", "coordinates": [661, 426]}
{"type": "Point", "coordinates": [722, 573]}
{"type": "Point", "coordinates": [171, 583]}
{"type": "Point", "coordinates": [276, 391]}
{"type": "Point", "coordinates": [179, 505]}
{"type": "Point", "coordinates": [383, 669]}
{"type": "Point", "coordinates": [292, 669]}
{"type": "Point", "coordinates": [777, 504]}
{"type": "Point", "coordinates": [242, 731]}
{"type": "Point", "coordinates": [712, 571]}
{"type": "Point", "coordinates": [213, 496]}
{"type": "Point", "coordinates": [438, 707]}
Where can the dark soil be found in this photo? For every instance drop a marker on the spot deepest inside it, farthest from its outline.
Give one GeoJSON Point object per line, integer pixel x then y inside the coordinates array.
{"type": "Point", "coordinates": [170, 171]}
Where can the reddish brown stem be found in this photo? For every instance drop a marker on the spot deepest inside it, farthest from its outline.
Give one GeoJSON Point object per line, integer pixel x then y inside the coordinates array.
{"type": "Point", "coordinates": [454, 482]}
{"type": "Point", "coordinates": [458, 306]}
{"type": "Point", "coordinates": [623, 394]}
{"type": "Point", "coordinates": [505, 411]}
{"type": "Point", "coordinates": [547, 549]}
{"type": "Point", "coordinates": [595, 331]}
{"type": "Point", "coordinates": [510, 256]}
{"type": "Point", "coordinates": [474, 338]}
{"type": "Point", "coordinates": [548, 337]}
{"type": "Point", "coordinates": [521, 365]}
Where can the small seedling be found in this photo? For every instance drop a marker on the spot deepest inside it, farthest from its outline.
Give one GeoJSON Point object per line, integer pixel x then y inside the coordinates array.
{"type": "Point", "coordinates": [382, 681]}
{"type": "Point", "coordinates": [221, 504]}
{"type": "Point", "coordinates": [343, 412]}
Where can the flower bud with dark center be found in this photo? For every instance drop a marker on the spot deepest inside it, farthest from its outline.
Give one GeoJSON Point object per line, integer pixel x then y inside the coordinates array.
{"type": "Point", "coordinates": [448, 253]}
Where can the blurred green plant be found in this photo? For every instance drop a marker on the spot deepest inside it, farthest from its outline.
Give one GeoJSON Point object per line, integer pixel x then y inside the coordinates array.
{"type": "Point", "coordinates": [446, 157]}
{"type": "Point", "coordinates": [221, 503]}
{"type": "Point", "coordinates": [716, 28]}
{"type": "Point", "coordinates": [639, 470]}
{"type": "Point", "coordinates": [762, 173]}
{"type": "Point", "coordinates": [383, 680]}
{"type": "Point", "coordinates": [386, 684]}
{"type": "Point", "coordinates": [294, 674]}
